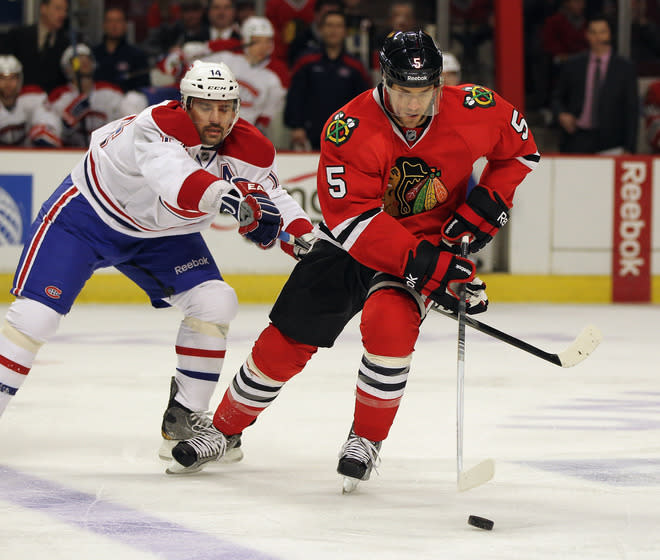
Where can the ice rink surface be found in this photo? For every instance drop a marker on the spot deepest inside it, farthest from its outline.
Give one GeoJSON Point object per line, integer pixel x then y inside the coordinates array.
{"type": "Point", "coordinates": [577, 450]}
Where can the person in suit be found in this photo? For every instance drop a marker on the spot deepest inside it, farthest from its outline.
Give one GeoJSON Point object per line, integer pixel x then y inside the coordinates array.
{"type": "Point", "coordinates": [118, 61]}
{"type": "Point", "coordinates": [596, 100]}
{"type": "Point", "coordinates": [39, 46]}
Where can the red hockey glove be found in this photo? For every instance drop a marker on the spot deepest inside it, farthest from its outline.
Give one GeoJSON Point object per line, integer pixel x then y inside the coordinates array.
{"type": "Point", "coordinates": [258, 218]}
{"type": "Point", "coordinates": [301, 229]}
{"type": "Point", "coordinates": [436, 273]}
{"type": "Point", "coordinates": [480, 217]}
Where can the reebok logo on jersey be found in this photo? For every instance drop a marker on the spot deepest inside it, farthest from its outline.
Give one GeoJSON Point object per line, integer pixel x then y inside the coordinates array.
{"type": "Point", "coordinates": [190, 265]}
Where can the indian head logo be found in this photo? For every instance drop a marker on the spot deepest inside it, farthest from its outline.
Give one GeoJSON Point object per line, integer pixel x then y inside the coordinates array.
{"type": "Point", "coordinates": [413, 187]}
{"type": "Point", "coordinates": [340, 128]}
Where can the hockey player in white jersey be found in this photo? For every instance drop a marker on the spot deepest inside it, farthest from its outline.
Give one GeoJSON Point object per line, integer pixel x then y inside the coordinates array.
{"type": "Point", "coordinates": [138, 200]}
{"type": "Point", "coordinates": [17, 103]}
{"type": "Point", "coordinates": [76, 109]}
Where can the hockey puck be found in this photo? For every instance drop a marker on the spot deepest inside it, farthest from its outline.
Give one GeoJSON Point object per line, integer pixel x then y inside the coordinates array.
{"type": "Point", "coordinates": [481, 522]}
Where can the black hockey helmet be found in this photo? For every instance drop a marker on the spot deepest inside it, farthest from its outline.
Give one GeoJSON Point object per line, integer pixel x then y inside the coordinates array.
{"type": "Point", "coordinates": [411, 59]}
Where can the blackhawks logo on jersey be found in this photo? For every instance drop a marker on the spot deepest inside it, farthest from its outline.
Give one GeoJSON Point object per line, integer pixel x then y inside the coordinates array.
{"type": "Point", "coordinates": [478, 96]}
{"type": "Point", "coordinates": [340, 128]}
{"type": "Point", "coordinates": [413, 187]}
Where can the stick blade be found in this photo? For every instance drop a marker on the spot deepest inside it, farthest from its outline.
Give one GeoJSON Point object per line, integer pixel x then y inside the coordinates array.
{"type": "Point", "coordinates": [476, 476]}
{"type": "Point", "coordinates": [585, 343]}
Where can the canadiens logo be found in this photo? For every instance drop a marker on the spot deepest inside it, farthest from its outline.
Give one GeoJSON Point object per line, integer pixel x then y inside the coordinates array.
{"type": "Point", "coordinates": [340, 128]}
{"type": "Point", "coordinates": [53, 292]}
{"type": "Point", "coordinates": [413, 187]}
{"type": "Point", "coordinates": [478, 96]}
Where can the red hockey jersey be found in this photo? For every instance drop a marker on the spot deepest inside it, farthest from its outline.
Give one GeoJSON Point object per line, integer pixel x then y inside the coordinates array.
{"type": "Point", "coordinates": [381, 193]}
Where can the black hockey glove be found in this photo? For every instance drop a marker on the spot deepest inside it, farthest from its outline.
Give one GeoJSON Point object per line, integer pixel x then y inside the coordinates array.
{"type": "Point", "coordinates": [475, 298]}
{"type": "Point", "coordinates": [480, 217]}
{"type": "Point", "coordinates": [436, 273]}
{"type": "Point", "coordinates": [258, 218]}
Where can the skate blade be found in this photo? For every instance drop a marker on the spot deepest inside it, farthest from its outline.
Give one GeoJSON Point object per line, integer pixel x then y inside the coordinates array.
{"type": "Point", "coordinates": [232, 456]}
{"type": "Point", "coordinates": [176, 468]}
{"type": "Point", "coordinates": [349, 484]}
{"type": "Point", "coordinates": [165, 451]}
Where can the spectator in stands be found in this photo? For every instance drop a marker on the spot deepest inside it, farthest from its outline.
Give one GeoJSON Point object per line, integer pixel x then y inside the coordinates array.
{"type": "Point", "coordinates": [596, 99]}
{"type": "Point", "coordinates": [222, 20]}
{"type": "Point", "coordinates": [117, 61]}
{"type": "Point", "coordinates": [17, 104]}
{"type": "Point", "coordinates": [322, 81]}
{"type": "Point", "coordinates": [288, 18]}
{"type": "Point", "coordinates": [652, 116]}
{"type": "Point", "coordinates": [451, 69]}
{"type": "Point", "coordinates": [564, 33]}
{"type": "Point", "coordinates": [309, 38]}
{"type": "Point", "coordinates": [76, 109]}
{"type": "Point", "coordinates": [39, 47]}
{"type": "Point", "coordinates": [401, 17]}
{"type": "Point", "coordinates": [263, 80]}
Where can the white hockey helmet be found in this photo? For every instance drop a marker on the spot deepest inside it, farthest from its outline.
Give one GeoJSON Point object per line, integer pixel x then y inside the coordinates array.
{"type": "Point", "coordinates": [210, 80]}
{"type": "Point", "coordinates": [67, 56]}
{"type": "Point", "coordinates": [9, 64]}
{"type": "Point", "coordinates": [256, 25]}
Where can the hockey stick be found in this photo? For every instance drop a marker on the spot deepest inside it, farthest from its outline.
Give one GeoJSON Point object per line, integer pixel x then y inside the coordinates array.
{"type": "Point", "coordinates": [484, 471]}
{"type": "Point", "coordinates": [583, 345]}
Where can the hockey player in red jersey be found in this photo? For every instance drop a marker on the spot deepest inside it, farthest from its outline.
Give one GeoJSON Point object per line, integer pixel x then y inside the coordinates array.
{"type": "Point", "coordinates": [138, 200]}
{"type": "Point", "coordinates": [392, 184]}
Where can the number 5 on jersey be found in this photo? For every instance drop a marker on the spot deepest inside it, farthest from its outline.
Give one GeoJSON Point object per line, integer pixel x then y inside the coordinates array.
{"type": "Point", "coordinates": [337, 185]}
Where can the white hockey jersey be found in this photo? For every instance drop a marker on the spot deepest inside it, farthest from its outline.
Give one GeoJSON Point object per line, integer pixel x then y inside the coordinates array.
{"type": "Point", "coordinates": [145, 174]}
{"type": "Point", "coordinates": [104, 104]}
{"type": "Point", "coordinates": [262, 93]}
{"type": "Point", "coordinates": [16, 122]}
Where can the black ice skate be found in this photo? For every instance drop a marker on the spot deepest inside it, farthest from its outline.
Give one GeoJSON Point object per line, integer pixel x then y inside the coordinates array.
{"type": "Point", "coordinates": [209, 444]}
{"type": "Point", "coordinates": [180, 423]}
{"type": "Point", "coordinates": [357, 458]}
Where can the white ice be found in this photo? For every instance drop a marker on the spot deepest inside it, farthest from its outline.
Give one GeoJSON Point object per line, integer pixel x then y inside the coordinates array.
{"type": "Point", "coordinates": [577, 450]}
